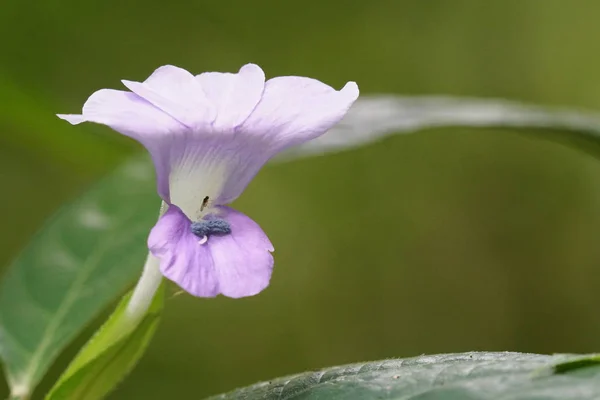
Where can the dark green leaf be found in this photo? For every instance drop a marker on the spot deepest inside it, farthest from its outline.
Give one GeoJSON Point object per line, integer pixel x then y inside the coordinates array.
{"type": "Point", "coordinates": [109, 355]}
{"type": "Point", "coordinates": [464, 376]}
{"type": "Point", "coordinates": [577, 363]}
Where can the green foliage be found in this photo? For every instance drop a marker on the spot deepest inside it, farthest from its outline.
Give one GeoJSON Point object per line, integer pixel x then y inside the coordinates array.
{"type": "Point", "coordinates": [374, 117]}
{"type": "Point", "coordinates": [464, 376]}
{"type": "Point", "coordinates": [92, 250]}
{"type": "Point", "coordinates": [109, 355]}
{"type": "Point", "coordinates": [497, 234]}
{"type": "Point", "coordinates": [577, 363]}
{"type": "Point", "coordinates": [78, 263]}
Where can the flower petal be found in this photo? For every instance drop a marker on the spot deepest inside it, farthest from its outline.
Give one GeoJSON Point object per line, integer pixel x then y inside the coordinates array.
{"type": "Point", "coordinates": [242, 259]}
{"type": "Point", "coordinates": [175, 91]}
{"type": "Point", "coordinates": [129, 114]}
{"type": "Point", "coordinates": [235, 265]}
{"type": "Point", "coordinates": [210, 134]}
{"type": "Point", "coordinates": [126, 113]}
{"type": "Point", "coordinates": [233, 95]}
{"type": "Point", "coordinates": [296, 109]}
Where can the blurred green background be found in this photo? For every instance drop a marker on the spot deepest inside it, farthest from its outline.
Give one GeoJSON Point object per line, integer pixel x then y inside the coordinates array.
{"type": "Point", "coordinates": [443, 241]}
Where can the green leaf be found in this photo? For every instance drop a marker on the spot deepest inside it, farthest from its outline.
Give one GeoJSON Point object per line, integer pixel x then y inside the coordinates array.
{"type": "Point", "coordinates": [109, 355]}
{"type": "Point", "coordinates": [465, 376]}
{"type": "Point", "coordinates": [374, 117]}
{"type": "Point", "coordinates": [577, 363]}
{"type": "Point", "coordinates": [85, 257]}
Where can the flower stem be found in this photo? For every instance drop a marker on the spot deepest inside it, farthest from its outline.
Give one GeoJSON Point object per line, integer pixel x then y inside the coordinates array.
{"type": "Point", "coordinates": [145, 289]}
{"type": "Point", "coordinates": [18, 397]}
{"type": "Point", "coordinates": [148, 284]}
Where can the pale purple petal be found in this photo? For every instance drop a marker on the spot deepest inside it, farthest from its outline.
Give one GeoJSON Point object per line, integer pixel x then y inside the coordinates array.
{"type": "Point", "coordinates": [235, 265]}
{"type": "Point", "coordinates": [126, 113]}
{"type": "Point", "coordinates": [242, 259]}
{"type": "Point", "coordinates": [74, 119]}
{"type": "Point", "coordinates": [214, 104]}
{"type": "Point", "coordinates": [177, 92]}
{"type": "Point", "coordinates": [210, 134]}
{"type": "Point", "coordinates": [129, 114]}
{"type": "Point", "coordinates": [296, 109]}
{"type": "Point", "coordinates": [233, 95]}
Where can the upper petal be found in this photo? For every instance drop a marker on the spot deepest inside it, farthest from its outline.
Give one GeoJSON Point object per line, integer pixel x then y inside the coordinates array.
{"type": "Point", "coordinates": [176, 91]}
{"type": "Point", "coordinates": [235, 265]}
{"type": "Point", "coordinates": [126, 113]}
{"type": "Point", "coordinates": [233, 95]}
{"type": "Point", "coordinates": [135, 117]}
{"type": "Point", "coordinates": [209, 135]}
{"type": "Point", "coordinates": [296, 109]}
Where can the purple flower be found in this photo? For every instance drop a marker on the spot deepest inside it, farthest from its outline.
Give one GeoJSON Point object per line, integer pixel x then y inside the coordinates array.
{"type": "Point", "coordinates": [208, 136]}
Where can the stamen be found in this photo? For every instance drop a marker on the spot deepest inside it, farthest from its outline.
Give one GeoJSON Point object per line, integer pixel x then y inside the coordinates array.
{"type": "Point", "coordinates": [207, 227]}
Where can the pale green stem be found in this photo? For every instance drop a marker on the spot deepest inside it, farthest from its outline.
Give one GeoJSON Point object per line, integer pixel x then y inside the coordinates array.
{"type": "Point", "coordinates": [18, 397]}
{"type": "Point", "coordinates": [148, 284]}
{"type": "Point", "coordinates": [19, 390]}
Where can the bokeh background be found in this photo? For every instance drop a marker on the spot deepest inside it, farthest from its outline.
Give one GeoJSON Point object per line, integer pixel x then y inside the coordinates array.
{"type": "Point", "coordinates": [447, 240]}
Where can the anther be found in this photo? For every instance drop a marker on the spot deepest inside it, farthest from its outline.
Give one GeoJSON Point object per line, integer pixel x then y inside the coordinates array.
{"type": "Point", "coordinates": [207, 227]}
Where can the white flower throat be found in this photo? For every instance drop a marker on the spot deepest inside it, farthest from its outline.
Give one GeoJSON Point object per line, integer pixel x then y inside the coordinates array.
{"type": "Point", "coordinates": [197, 200]}
{"type": "Point", "coordinates": [195, 184]}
